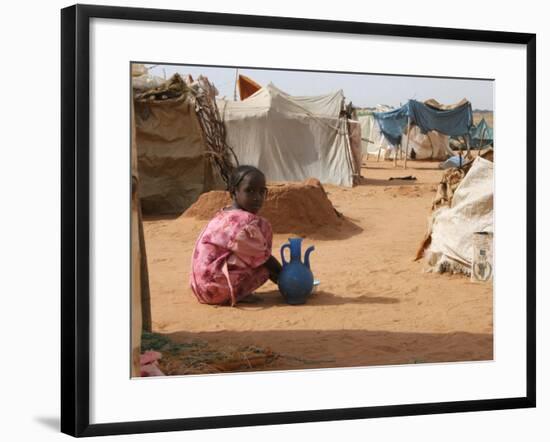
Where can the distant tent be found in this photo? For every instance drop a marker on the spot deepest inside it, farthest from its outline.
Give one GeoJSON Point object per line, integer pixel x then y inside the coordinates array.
{"type": "Point", "coordinates": [373, 140]}
{"type": "Point", "coordinates": [481, 135]}
{"type": "Point", "coordinates": [425, 126]}
{"type": "Point", "coordinates": [367, 126]}
{"type": "Point", "coordinates": [292, 138]}
{"type": "Point", "coordinates": [247, 86]}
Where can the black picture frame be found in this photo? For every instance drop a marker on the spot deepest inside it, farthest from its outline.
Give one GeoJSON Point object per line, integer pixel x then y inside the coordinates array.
{"type": "Point", "coordinates": [75, 225]}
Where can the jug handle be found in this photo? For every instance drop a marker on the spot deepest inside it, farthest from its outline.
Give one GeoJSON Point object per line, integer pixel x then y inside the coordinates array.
{"type": "Point", "coordinates": [283, 247]}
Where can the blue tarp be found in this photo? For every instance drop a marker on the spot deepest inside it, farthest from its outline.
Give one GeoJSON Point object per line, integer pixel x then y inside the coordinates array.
{"type": "Point", "coordinates": [453, 122]}
{"type": "Point", "coordinates": [455, 161]}
{"type": "Point", "coordinates": [393, 123]}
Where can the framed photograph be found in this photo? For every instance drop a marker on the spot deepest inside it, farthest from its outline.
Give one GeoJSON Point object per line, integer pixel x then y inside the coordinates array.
{"type": "Point", "coordinates": [272, 220]}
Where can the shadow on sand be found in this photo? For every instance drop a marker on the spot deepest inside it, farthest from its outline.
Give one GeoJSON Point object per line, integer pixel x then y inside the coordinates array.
{"type": "Point", "coordinates": [326, 346]}
{"type": "Point", "coordinates": [161, 217]}
{"type": "Point", "coordinates": [307, 349]}
{"type": "Point", "coordinates": [320, 298]}
{"type": "Point", "coordinates": [410, 166]}
{"type": "Point", "coordinates": [389, 183]}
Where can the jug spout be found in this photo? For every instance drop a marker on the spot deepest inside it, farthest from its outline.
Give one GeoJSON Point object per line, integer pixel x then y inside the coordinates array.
{"type": "Point", "coordinates": [306, 256]}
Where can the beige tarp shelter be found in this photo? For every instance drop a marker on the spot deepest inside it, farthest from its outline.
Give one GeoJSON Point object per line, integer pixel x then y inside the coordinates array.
{"type": "Point", "coordinates": [292, 138]}
{"type": "Point", "coordinates": [173, 166]}
{"type": "Point", "coordinates": [432, 145]}
{"type": "Point", "coordinates": [452, 229]}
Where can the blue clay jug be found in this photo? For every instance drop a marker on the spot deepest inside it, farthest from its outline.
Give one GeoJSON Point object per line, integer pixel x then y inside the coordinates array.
{"type": "Point", "coordinates": [295, 279]}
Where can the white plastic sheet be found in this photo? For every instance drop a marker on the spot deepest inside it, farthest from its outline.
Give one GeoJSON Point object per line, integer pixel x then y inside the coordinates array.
{"type": "Point", "coordinates": [453, 228]}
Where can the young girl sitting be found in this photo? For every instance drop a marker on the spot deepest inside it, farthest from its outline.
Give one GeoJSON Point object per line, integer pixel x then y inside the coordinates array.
{"type": "Point", "coordinates": [232, 256]}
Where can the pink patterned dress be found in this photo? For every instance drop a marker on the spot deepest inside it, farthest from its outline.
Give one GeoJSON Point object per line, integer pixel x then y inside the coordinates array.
{"type": "Point", "coordinates": [228, 258]}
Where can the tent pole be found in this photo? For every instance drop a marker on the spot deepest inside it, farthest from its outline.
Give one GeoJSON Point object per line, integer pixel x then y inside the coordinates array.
{"type": "Point", "coordinates": [395, 156]}
{"type": "Point", "coordinates": [407, 142]}
{"type": "Point", "coordinates": [467, 137]}
{"type": "Point", "coordinates": [236, 80]}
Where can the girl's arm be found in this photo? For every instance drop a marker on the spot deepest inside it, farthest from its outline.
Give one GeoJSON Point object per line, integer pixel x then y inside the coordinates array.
{"type": "Point", "coordinates": [274, 268]}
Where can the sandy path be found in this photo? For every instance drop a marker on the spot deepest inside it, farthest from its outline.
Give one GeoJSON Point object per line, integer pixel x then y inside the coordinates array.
{"type": "Point", "coordinates": [374, 305]}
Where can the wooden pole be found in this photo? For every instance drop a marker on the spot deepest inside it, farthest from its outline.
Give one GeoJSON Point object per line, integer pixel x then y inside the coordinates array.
{"type": "Point", "coordinates": [136, 316]}
{"type": "Point", "coordinates": [348, 145]}
{"type": "Point", "coordinates": [146, 316]}
{"type": "Point", "coordinates": [395, 156]}
{"type": "Point", "coordinates": [380, 139]}
{"type": "Point", "coordinates": [407, 142]}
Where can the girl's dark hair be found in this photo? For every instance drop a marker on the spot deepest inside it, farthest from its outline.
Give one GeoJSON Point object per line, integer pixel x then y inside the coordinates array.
{"type": "Point", "coordinates": [239, 173]}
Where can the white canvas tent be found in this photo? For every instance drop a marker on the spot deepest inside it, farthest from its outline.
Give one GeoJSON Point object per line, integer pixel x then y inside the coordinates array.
{"type": "Point", "coordinates": [367, 135]}
{"type": "Point", "coordinates": [373, 141]}
{"type": "Point", "coordinates": [292, 138]}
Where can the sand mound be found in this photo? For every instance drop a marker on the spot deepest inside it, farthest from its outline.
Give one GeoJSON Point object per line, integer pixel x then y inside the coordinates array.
{"type": "Point", "coordinates": [299, 208]}
{"type": "Point", "coordinates": [409, 191]}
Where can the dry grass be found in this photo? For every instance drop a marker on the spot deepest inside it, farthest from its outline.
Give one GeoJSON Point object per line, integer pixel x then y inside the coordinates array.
{"type": "Point", "coordinates": [198, 357]}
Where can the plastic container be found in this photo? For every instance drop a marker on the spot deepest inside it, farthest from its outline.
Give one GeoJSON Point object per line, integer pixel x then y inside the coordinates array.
{"type": "Point", "coordinates": [482, 260]}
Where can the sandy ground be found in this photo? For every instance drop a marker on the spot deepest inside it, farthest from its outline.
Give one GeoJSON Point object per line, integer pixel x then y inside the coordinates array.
{"type": "Point", "coordinates": [374, 306]}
